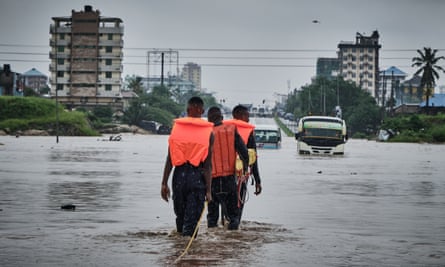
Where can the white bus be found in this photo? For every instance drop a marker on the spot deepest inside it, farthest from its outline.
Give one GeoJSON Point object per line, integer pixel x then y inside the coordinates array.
{"type": "Point", "coordinates": [321, 135]}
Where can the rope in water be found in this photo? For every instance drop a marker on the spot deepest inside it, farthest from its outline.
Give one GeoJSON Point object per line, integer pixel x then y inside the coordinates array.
{"type": "Point", "coordinates": [194, 233]}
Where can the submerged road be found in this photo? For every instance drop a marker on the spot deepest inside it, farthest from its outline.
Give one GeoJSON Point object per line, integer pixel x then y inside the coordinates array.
{"type": "Point", "coordinates": [380, 204]}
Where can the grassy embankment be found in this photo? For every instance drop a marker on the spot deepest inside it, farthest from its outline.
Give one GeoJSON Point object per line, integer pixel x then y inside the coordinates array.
{"type": "Point", "coordinates": [283, 127]}
{"type": "Point", "coordinates": [18, 114]}
{"type": "Point", "coordinates": [417, 128]}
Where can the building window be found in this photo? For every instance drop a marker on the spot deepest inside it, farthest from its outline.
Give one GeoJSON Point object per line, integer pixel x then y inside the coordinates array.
{"type": "Point", "coordinates": [60, 61]}
{"type": "Point", "coordinates": [109, 49]}
{"type": "Point", "coordinates": [108, 62]}
{"type": "Point", "coordinates": [59, 87]}
{"type": "Point", "coordinates": [60, 73]}
{"type": "Point", "coordinates": [108, 74]}
{"type": "Point", "coordinates": [60, 48]}
{"type": "Point", "coordinates": [110, 36]}
{"type": "Point", "coordinates": [62, 36]}
{"type": "Point", "coordinates": [107, 87]}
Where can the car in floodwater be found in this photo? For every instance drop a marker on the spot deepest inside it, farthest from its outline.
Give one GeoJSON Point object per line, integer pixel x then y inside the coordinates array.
{"type": "Point", "coordinates": [267, 136]}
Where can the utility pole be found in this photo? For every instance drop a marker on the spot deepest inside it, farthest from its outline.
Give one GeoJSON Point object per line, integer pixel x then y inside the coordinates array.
{"type": "Point", "coordinates": [157, 57]}
{"type": "Point", "coordinates": [162, 69]}
{"type": "Point", "coordinates": [56, 74]}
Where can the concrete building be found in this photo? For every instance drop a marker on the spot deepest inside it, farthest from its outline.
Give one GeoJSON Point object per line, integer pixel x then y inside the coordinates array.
{"type": "Point", "coordinates": [35, 80]}
{"type": "Point", "coordinates": [173, 82]}
{"type": "Point", "coordinates": [360, 61]}
{"type": "Point", "coordinates": [10, 82]}
{"type": "Point", "coordinates": [192, 72]}
{"type": "Point", "coordinates": [327, 67]}
{"type": "Point", "coordinates": [86, 59]}
{"type": "Point", "coordinates": [390, 86]}
{"type": "Point", "coordinates": [411, 92]}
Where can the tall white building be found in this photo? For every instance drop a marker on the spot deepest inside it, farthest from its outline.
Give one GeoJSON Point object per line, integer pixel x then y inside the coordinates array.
{"type": "Point", "coordinates": [360, 62]}
{"type": "Point", "coordinates": [86, 59]}
{"type": "Point", "coordinates": [192, 72]}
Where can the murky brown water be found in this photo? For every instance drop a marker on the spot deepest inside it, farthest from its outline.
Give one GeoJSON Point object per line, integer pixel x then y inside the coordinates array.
{"type": "Point", "coordinates": [378, 205]}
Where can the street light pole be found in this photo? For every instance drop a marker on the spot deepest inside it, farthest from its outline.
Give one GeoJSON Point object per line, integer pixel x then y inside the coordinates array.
{"type": "Point", "coordinates": [55, 68]}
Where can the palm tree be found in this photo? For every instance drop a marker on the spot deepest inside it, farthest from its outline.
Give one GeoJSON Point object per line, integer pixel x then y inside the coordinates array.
{"type": "Point", "coordinates": [428, 66]}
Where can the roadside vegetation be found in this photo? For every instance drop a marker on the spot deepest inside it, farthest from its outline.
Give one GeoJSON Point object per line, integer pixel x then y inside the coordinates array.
{"type": "Point", "coordinates": [21, 114]}
{"type": "Point", "coordinates": [358, 107]}
{"type": "Point", "coordinates": [18, 114]}
{"type": "Point", "coordinates": [416, 128]}
{"type": "Point", "coordinates": [364, 118]}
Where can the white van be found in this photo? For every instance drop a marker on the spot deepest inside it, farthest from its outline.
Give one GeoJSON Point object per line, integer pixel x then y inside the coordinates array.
{"type": "Point", "coordinates": [267, 136]}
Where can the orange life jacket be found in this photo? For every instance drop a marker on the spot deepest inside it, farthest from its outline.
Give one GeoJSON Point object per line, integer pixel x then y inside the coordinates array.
{"type": "Point", "coordinates": [244, 128]}
{"type": "Point", "coordinates": [224, 153]}
{"type": "Point", "coordinates": [189, 141]}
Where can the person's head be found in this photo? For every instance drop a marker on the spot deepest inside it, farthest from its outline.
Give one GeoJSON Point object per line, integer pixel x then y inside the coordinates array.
{"type": "Point", "coordinates": [240, 112]}
{"type": "Point", "coordinates": [214, 115]}
{"type": "Point", "coordinates": [195, 107]}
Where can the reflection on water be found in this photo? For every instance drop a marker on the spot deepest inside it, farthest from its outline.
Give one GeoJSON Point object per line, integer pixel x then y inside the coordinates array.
{"type": "Point", "coordinates": [378, 205]}
{"type": "Point", "coordinates": [214, 247]}
{"type": "Point", "coordinates": [91, 196]}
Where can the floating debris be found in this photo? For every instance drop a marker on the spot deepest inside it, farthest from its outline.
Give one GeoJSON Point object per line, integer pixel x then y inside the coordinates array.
{"type": "Point", "coordinates": [68, 207]}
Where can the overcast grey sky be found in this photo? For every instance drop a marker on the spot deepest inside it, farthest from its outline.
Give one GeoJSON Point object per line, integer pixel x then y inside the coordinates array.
{"type": "Point", "coordinates": [277, 40]}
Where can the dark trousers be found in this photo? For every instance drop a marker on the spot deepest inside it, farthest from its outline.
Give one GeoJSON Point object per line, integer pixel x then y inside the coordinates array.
{"type": "Point", "coordinates": [242, 198]}
{"type": "Point", "coordinates": [224, 193]}
{"type": "Point", "coordinates": [188, 197]}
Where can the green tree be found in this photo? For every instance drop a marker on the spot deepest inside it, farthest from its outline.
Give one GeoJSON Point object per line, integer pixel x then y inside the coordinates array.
{"type": "Point", "coordinates": [134, 83]}
{"type": "Point", "coordinates": [427, 62]}
{"type": "Point", "coordinates": [136, 112]}
{"type": "Point", "coordinates": [104, 113]}
{"type": "Point", "coordinates": [359, 108]}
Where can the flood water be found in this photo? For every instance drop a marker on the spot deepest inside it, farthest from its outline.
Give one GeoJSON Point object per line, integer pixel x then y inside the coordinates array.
{"type": "Point", "coordinates": [380, 204]}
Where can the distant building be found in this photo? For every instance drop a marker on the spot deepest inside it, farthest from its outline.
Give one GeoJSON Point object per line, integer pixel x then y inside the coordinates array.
{"type": "Point", "coordinates": [390, 86]}
{"type": "Point", "coordinates": [10, 82]}
{"type": "Point", "coordinates": [360, 61]}
{"type": "Point", "coordinates": [86, 59]}
{"type": "Point", "coordinates": [328, 67]}
{"type": "Point", "coordinates": [192, 72]}
{"type": "Point", "coordinates": [436, 104]}
{"type": "Point", "coordinates": [173, 82]}
{"type": "Point", "coordinates": [411, 92]}
{"type": "Point", "coordinates": [35, 80]}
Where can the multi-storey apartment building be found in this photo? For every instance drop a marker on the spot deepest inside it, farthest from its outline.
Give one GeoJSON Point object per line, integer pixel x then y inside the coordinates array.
{"type": "Point", "coordinates": [86, 59]}
{"type": "Point", "coordinates": [360, 61]}
{"type": "Point", "coordinates": [192, 72]}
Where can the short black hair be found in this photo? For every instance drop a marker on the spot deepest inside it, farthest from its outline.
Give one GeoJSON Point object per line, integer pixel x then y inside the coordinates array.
{"type": "Point", "coordinates": [214, 114]}
{"type": "Point", "coordinates": [238, 111]}
{"type": "Point", "coordinates": [195, 101]}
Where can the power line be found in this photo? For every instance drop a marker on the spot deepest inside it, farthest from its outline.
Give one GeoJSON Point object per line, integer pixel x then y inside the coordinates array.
{"type": "Point", "coordinates": [211, 57]}
{"type": "Point", "coordinates": [233, 49]}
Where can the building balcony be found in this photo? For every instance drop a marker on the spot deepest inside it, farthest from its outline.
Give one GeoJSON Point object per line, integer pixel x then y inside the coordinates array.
{"type": "Point", "coordinates": [114, 43]}
{"type": "Point", "coordinates": [114, 30]}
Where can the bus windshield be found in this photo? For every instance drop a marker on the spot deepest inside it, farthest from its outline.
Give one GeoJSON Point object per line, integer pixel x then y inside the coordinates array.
{"type": "Point", "coordinates": [322, 133]}
{"type": "Point", "coordinates": [322, 129]}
